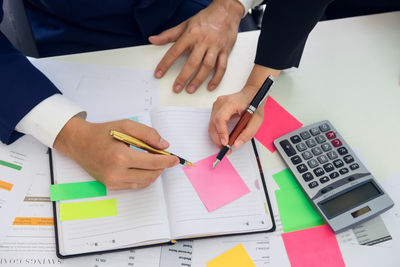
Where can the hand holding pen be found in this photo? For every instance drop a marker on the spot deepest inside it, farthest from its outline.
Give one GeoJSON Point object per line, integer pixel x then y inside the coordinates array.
{"type": "Point", "coordinates": [244, 119]}
{"type": "Point", "coordinates": [112, 162]}
{"type": "Point", "coordinates": [142, 145]}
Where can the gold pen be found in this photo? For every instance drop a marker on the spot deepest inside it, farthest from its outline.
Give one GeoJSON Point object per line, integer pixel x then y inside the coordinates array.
{"type": "Point", "coordinates": [142, 145]}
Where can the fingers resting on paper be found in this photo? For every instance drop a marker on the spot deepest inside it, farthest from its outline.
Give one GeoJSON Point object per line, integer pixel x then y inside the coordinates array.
{"type": "Point", "coordinates": [112, 162]}
{"type": "Point", "coordinates": [209, 36]}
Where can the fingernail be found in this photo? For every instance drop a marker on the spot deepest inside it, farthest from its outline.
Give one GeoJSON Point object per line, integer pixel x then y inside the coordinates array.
{"type": "Point", "coordinates": [223, 141]}
{"type": "Point", "coordinates": [191, 89]}
{"type": "Point", "coordinates": [177, 162]}
{"type": "Point", "coordinates": [238, 143]}
{"type": "Point", "coordinates": [163, 142]}
{"type": "Point", "coordinates": [159, 74]}
{"type": "Point", "coordinates": [211, 87]}
{"type": "Point", "coordinates": [178, 88]}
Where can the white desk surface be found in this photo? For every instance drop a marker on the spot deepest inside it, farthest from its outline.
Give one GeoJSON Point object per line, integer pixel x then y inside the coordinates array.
{"type": "Point", "coordinates": [349, 74]}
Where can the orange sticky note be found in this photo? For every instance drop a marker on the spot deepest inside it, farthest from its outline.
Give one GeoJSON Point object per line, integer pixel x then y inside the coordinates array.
{"type": "Point", "coordinates": [216, 187]}
{"type": "Point", "coordinates": [33, 221]}
{"type": "Point", "coordinates": [6, 186]}
{"type": "Point", "coordinates": [277, 122]}
{"type": "Point", "coordinates": [313, 247]}
{"type": "Point", "coordinates": [235, 257]}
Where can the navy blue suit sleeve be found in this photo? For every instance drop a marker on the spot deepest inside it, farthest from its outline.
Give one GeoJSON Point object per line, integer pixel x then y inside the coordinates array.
{"type": "Point", "coordinates": [285, 27]}
{"type": "Point", "coordinates": [22, 87]}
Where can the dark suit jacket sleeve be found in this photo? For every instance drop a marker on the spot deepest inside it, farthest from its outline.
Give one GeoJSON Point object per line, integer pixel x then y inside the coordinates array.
{"type": "Point", "coordinates": [22, 87]}
{"type": "Point", "coordinates": [285, 28]}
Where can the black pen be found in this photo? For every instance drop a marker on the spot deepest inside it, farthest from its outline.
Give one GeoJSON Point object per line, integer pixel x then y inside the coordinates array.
{"type": "Point", "coordinates": [246, 116]}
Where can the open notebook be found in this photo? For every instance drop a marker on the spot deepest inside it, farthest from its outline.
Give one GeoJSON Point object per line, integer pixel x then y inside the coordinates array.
{"type": "Point", "coordinates": [170, 208]}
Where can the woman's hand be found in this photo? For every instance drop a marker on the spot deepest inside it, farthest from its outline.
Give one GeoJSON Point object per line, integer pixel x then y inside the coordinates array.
{"type": "Point", "coordinates": [232, 106]}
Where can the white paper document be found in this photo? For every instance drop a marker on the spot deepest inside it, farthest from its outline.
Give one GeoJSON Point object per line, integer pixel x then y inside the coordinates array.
{"type": "Point", "coordinates": [17, 165]}
{"type": "Point", "coordinates": [392, 216]}
{"type": "Point", "coordinates": [31, 240]}
{"type": "Point", "coordinates": [106, 93]}
{"type": "Point", "coordinates": [264, 249]}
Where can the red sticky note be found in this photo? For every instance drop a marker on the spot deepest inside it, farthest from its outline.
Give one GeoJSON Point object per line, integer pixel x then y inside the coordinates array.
{"type": "Point", "coordinates": [277, 122]}
{"type": "Point", "coordinates": [216, 187]}
{"type": "Point", "coordinates": [316, 246]}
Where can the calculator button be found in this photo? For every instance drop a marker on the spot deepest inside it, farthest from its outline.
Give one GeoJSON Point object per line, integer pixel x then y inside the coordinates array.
{"type": "Point", "coordinates": [320, 139]}
{"type": "Point", "coordinates": [319, 171]}
{"type": "Point", "coordinates": [338, 163]}
{"type": "Point", "coordinates": [342, 151]}
{"type": "Point", "coordinates": [336, 142]}
{"type": "Point", "coordinates": [330, 134]}
{"type": "Point", "coordinates": [308, 176]}
{"type": "Point", "coordinates": [302, 168]}
{"type": "Point", "coordinates": [296, 160]}
{"type": "Point", "coordinates": [311, 143]}
{"type": "Point", "coordinates": [326, 147]}
{"type": "Point", "coordinates": [312, 163]}
{"type": "Point", "coordinates": [295, 139]}
{"type": "Point", "coordinates": [313, 184]}
{"type": "Point", "coordinates": [324, 179]}
{"type": "Point", "coordinates": [348, 159]}
{"type": "Point", "coordinates": [301, 147]}
{"type": "Point", "coordinates": [316, 151]}
{"type": "Point", "coordinates": [354, 166]}
{"type": "Point", "coordinates": [322, 159]}
{"type": "Point", "coordinates": [315, 131]}
{"type": "Point", "coordinates": [287, 147]}
{"type": "Point", "coordinates": [306, 155]}
{"type": "Point", "coordinates": [332, 155]}
{"type": "Point", "coordinates": [326, 189]}
{"type": "Point", "coordinates": [334, 175]}
{"type": "Point", "coordinates": [305, 135]}
{"type": "Point", "coordinates": [343, 171]}
{"type": "Point", "coordinates": [328, 167]}
{"type": "Point", "coordinates": [324, 127]}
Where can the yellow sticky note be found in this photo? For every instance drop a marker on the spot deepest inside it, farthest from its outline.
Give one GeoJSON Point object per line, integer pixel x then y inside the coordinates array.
{"type": "Point", "coordinates": [88, 209]}
{"type": "Point", "coordinates": [235, 257]}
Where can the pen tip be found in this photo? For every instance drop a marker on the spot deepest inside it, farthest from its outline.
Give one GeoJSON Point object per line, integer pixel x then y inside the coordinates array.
{"type": "Point", "coordinates": [215, 163]}
{"type": "Point", "coordinates": [189, 164]}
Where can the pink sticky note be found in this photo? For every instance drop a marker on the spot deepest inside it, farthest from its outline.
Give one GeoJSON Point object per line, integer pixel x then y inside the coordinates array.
{"type": "Point", "coordinates": [216, 187]}
{"type": "Point", "coordinates": [316, 246]}
{"type": "Point", "coordinates": [277, 122]}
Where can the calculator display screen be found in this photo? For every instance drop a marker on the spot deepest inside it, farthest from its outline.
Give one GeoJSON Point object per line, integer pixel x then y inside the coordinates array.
{"type": "Point", "coordinates": [337, 205]}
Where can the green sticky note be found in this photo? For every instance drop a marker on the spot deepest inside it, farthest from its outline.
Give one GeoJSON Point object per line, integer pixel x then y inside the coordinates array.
{"type": "Point", "coordinates": [296, 210]}
{"type": "Point", "coordinates": [10, 165]}
{"type": "Point", "coordinates": [77, 190]}
{"type": "Point", "coordinates": [285, 180]}
{"type": "Point", "coordinates": [88, 210]}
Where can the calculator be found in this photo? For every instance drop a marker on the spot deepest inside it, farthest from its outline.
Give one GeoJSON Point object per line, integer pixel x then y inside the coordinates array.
{"type": "Point", "coordinates": [333, 177]}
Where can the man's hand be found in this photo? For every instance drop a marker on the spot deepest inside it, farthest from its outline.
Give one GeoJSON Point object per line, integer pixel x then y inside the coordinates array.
{"type": "Point", "coordinates": [232, 106]}
{"type": "Point", "coordinates": [110, 161]}
{"type": "Point", "coordinates": [210, 36]}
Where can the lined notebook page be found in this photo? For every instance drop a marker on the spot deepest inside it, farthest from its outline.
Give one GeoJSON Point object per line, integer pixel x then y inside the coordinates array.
{"type": "Point", "coordinates": [141, 215]}
{"type": "Point", "coordinates": [186, 129]}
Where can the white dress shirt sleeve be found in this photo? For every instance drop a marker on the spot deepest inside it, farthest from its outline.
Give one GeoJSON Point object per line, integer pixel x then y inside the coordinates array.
{"type": "Point", "coordinates": [249, 4]}
{"type": "Point", "coordinates": [46, 119]}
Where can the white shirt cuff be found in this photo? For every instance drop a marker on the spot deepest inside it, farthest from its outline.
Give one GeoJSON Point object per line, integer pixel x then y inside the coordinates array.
{"type": "Point", "coordinates": [46, 119]}
{"type": "Point", "coordinates": [249, 4]}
